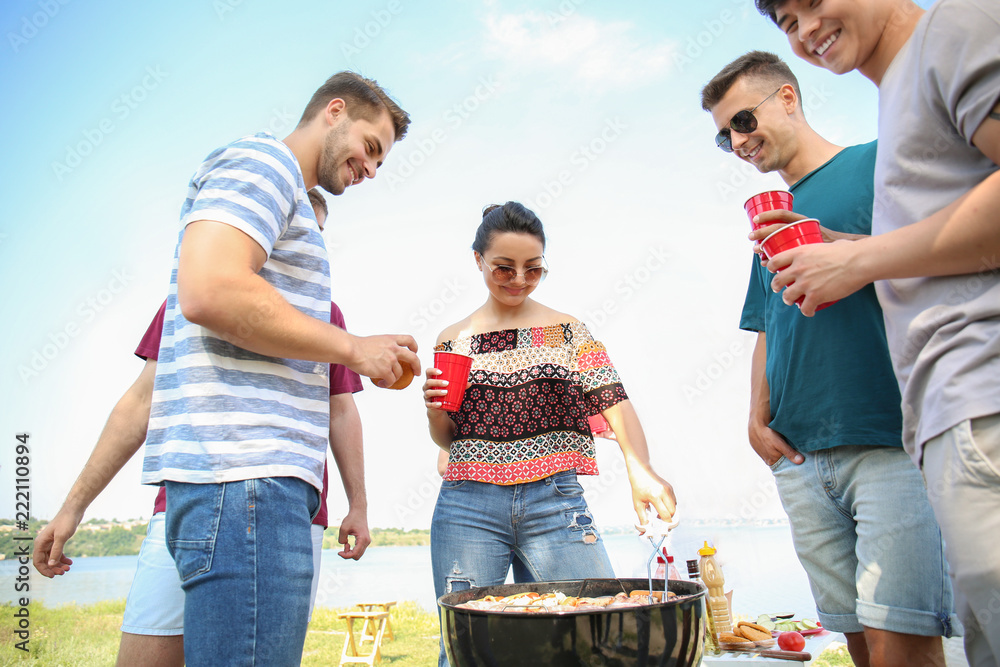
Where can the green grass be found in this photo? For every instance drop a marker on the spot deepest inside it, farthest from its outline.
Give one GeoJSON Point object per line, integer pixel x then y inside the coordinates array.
{"type": "Point", "coordinates": [416, 642]}
{"type": "Point", "coordinates": [74, 636]}
{"type": "Point", "coordinates": [67, 636]}
{"type": "Point", "coordinates": [835, 655]}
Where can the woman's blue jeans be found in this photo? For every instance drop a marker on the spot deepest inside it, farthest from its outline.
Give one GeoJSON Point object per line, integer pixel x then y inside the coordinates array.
{"type": "Point", "coordinates": [479, 528]}
{"type": "Point", "coordinates": [244, 554]}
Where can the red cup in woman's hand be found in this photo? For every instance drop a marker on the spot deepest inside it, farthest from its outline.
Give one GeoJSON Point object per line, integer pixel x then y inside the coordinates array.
{"type": "Point", "coordinates": [455, 369]}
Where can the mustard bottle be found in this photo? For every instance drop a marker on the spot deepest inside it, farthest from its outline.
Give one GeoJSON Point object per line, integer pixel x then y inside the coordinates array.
{"type": "Point", "coordinates": [718, 606]}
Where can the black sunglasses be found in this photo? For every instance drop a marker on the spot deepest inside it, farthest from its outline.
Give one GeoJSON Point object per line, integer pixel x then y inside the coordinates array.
{"type": "Point", "coordinates": [743, 122]}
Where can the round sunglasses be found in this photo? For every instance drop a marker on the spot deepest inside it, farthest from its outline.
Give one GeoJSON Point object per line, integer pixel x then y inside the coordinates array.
{"type": "Point", "coordinates": [505, 274]}
{"type": "Point", "coordinates": [743, 122]}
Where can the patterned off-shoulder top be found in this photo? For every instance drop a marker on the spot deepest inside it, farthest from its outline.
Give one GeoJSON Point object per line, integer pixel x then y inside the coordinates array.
{"type": "Point", "coordinates": [524, 417]}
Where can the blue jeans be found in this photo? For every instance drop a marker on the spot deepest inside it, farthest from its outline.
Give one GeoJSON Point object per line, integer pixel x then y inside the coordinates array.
{"type": "Point", "coordinates": [865, 534]}
{"type": "Point", "coordinates": [244, 555]}
{"type": "Point", "coordinates": [479, 528]}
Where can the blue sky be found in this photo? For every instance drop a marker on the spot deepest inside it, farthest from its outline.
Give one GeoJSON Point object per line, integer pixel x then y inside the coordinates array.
{"type": "Point", "coordinates": [588, 112]}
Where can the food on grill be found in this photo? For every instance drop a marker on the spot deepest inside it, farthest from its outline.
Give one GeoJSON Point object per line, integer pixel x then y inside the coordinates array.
{"type": "Point", "coordinates": [557, 601]}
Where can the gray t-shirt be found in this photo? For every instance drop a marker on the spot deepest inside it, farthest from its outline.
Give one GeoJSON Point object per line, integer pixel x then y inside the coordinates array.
{"type": "Point", "coordinates": [943, 333]}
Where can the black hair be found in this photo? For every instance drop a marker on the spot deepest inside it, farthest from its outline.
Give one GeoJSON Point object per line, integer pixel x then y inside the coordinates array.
{"type": "Point", "coordinates": [510, 217]}
{"type": "Point", "coordinates": [767, 8]}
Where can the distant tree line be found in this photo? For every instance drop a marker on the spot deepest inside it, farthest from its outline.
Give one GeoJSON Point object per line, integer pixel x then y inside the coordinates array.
{"type": "Point", "coordinates": [113, 541]}
{"type": "Point", "coordinates": [383, 537]}
{"type": "Point", "coordinates": [120, 541]}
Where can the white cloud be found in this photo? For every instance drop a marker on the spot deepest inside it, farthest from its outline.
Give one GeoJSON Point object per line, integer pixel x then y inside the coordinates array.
{"type": "Point", "coordinates": [602, 55]}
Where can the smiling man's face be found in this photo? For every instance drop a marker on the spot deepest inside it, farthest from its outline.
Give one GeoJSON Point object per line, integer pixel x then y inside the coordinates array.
{"type": "Point", "coordinates": [838, 35]}
{"type": "Point", "coordinates": [771, 145]}
{"type": "Point", "coordinates": [353, 149]}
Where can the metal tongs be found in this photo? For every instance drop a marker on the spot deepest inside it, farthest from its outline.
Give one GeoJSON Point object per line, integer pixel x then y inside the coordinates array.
{"type": "Point", "coordinates": [656, 530]}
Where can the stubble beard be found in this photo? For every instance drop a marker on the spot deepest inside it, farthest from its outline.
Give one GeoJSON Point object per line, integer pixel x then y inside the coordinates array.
{"type": "Point", "coordinates": [331, 158]}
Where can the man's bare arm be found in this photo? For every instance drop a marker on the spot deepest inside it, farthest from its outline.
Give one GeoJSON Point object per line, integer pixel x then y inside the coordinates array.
{"type": "Point", "coordinates": [347, 445]}
{"type": "Point", "coordinates": [218, 287]}
{"type": "Point", "coordinates": [121, 438]}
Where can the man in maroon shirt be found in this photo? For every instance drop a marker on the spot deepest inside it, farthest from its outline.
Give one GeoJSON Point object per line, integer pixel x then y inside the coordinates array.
{"type": "Point", "coordinates": [152, 630]}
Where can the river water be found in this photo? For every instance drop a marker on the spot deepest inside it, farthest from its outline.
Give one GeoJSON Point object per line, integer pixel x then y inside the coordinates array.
{"type": "Point", "coordinates": [758, 562]}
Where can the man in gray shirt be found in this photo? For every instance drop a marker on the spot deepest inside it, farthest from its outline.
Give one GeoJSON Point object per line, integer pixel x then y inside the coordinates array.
{"type": "Point", "coordinates": [934, 252]}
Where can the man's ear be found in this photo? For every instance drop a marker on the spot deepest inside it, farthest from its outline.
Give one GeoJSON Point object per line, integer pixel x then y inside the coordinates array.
{"type": "Point", "coordinates": [335, 109]}
{"type": "Point", "coordinates": [789, 98]}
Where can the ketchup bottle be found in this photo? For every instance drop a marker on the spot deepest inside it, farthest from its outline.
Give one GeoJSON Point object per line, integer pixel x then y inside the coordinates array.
{"type": "Point", "coordinates": [672, 572]}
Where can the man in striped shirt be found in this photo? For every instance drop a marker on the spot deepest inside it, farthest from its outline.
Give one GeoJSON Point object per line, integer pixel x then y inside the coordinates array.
{"type": "Point", "coordinates": [238, 426]}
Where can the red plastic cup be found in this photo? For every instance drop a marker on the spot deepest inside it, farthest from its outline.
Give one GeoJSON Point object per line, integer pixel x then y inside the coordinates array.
{"type": "Point", "coordinates": [455, 369]}
{"type": "Point", "coordinates": [793, 235]}
{"type": "Point", "coordinates": [803, 232]}
{"type": "Point", "coordinates": [598, 424]}
{"type": "Point", "coordinates": [767, 201]}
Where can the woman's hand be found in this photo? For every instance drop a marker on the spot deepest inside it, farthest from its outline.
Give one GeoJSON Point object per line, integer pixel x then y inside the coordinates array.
{"type": "Point", "coordinates": [441, 427]}
{"type": "Point", "coordinates": [648, 488]}
{"type": "Point", "coordinates": [434, 389]}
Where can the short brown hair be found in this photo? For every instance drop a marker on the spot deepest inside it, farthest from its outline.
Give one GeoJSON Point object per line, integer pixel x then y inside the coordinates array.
{"type": "Point", "coordinates": [365, 99]}
{"type": "Point", "coordinates": [760, 65]}
{"type": "Point", "coordinates": [318, 201]}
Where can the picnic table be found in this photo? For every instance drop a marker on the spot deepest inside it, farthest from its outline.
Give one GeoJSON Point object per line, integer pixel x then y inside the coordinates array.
{"type": "Point", "coordinates": [352, 654]}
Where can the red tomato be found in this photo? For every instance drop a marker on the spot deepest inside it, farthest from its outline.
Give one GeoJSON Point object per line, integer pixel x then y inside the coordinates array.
{"type": "Point", "coordinates": [791, 641]}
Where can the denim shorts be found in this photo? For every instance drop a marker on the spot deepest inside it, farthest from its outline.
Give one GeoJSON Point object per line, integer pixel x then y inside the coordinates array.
{"type": "Point", "coordinates": [244, 554]}
{"type": "Point", "coordinates": [479, 528]}
{"type": "Point", "coordinates": [155, 603]}
{"type": "Point", "coordinates": [865, 533]}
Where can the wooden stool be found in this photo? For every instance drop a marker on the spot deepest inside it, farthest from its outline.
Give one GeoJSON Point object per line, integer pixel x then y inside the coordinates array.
{"type": "Point", "coordinates": [368, 629]}
{"type": "Point", "coordinates": [350, 654]}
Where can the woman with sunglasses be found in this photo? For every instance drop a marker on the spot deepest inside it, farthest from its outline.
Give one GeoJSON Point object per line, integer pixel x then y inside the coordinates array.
{"type": "Point", "coordinates": [521, 435]}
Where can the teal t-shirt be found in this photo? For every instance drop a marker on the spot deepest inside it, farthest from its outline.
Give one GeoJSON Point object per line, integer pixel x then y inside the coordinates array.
{"type": "Point", "coordinates": [830, 376]}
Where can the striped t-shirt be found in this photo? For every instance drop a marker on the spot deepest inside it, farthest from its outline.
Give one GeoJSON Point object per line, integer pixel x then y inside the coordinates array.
{"type": "Point", "coordinates": [221, 413]}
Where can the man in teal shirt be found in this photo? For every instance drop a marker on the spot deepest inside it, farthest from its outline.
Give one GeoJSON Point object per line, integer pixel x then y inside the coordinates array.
{"type": "Point", "coordinates": [824, 409]}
